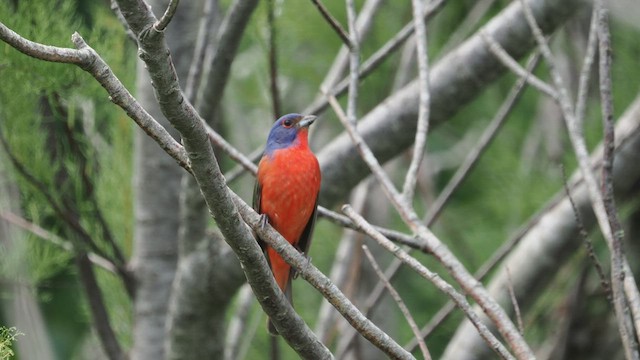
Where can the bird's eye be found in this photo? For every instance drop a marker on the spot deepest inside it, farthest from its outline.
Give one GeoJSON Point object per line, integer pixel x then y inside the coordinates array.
{"type": "Point", "coordinates": [287, 123]}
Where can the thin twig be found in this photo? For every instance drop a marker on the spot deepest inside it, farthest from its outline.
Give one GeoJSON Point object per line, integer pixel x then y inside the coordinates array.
{"type": "Point", "coordinates": [516, 68]}
{"type": "Point", "coordinates": [335, 25]}
{"type": "Point", "coordinates": [483, 143]}
{"type": "Point", "coordinates": [434, 278]}
{"type": "Point", "coordinates": [514, 303]}
{"type": "Point", "coordinates": [196, 69]}
{"type": "Point", "coordinates": [70, 220]}
{"type": "Point", "coordinates": [167, 16]}
{"type": "Point", "coordinates": [420, 142]}
{"type": "Point", "coordinates": [618, 270]}
{"type": "Point", "coordinates": [598, 204]}
{"type": "Point", "coordinates": [437, 248]}
{"type": "Point", "coordinates": [46, 235]}
{"type": "Point", "coordinates": [343, 261]}
{"type": "Point", "coordinates": [374, 60]}
{"type": "Point", "coordinates": [273, 60]}
{"type": "Point", "coordinates": [238, 324]}
{"type": "Point", "coordinates": [403, 307]}
{"type": "Point", "coordinates": [101, 320]}
{"type": "Point", "coordinates": [240, 169]}
{"type": "Point", "coordinates": [585, 72]}
{"type": "Point", "coordinates": [341, 60]}
{"type": "Point", "coordinates": [584, 235]}
{"type": "Point", "coordinates": [116, 10]}
{"type": "Point", "coordinates": [354, 63]}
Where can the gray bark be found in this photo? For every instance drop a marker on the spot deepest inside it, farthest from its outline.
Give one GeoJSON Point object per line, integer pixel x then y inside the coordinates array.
{"type": "Point", "coordinates": [553, 238]}
{"type": "Point", "coordinates": [156, 186]}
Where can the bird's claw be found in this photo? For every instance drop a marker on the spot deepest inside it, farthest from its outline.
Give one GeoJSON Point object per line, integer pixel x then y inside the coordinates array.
{"type": "Point", "coordinates": [264, 219]}
{"type": "Point", "coordinates": [296, 273]}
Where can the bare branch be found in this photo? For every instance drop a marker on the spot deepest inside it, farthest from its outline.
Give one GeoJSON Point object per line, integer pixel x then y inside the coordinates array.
{"type": "Point", "coordinates": [205, 28]}
{"type": "Point", "coordinates": [420, 143]}
{"type": "Point", "coordinates": [98, 308]}
{"type": "Point", "coordinates": [354, 63]}
{"type": "Point", "coordinates": [455, 80]}
{"type": "Point", "coordinates": [398, 300]}
{"type": "Point", "coordinates": [587, 64]}
{"type": "Point", "coordinates": [237, 335]}
{"type": "Point", "coordinates": [344, 261]}
{"type": "Point", "coordinates": [46, 235]}
{"type": "Point", "coordinates": [335, 25]}
{"type": "Point", "coordinates": [434, 278]}
{"type": "Point", "coordinates": [435, 246]}
{"type": "Point", "coordinates": [513, 65]}
{"type": "Point", "coordinates": [273, 61]}
{"type": "Point", "coordinates": [363, 24]}
{"type": "Point", "coordinates": [618, 261]}
{"type": "Point", "coordinates": [514, 303]}
{"type": "Point", "coordinates": [162, 24]}
{"type": "Point", "coordinates": [219, 59]}
{"type": "Point", "coordinates": [478, 150]}
{"type": "Point", "coordinates": [374, 60]}
{"type": "Point", "coordinates": [598, 203]}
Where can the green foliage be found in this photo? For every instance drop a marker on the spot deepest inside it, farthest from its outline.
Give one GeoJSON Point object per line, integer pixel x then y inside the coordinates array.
{"type": "Point", "coordinates": [7, 337]}
{"type": "Point", "coordinates": [60, 125]}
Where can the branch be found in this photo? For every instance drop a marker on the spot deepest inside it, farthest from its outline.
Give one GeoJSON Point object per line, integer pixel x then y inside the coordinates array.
{"type": "Point", "coordinates": [625, 324]}
{"type": "Point", "coordinates": [36, 230]}
{"type": "Point", "coordinates": [598, 202]}
{"type": "Point", "coordinates": [403, 307]}
{"type": "Point", "coordinates": [98, 308]}
{"type": "Point", "coordinates": [354, 63]}
{"type": "Point", "coordinates": [335, 25]}
{"type": "Point", "coordinates": [183, 116]}
{"type": "Point", "coordinates": [205, 28]}
{"type": "Point", "coordinates": [273, 62]}
{"type": "Point", "coordinates": [483, 143]}
{"type": "Point", "coordinates": [423, 105]}
{"type": "Point", "coordinates": [454, 81]}
{"type": "Point", "coordinates": [552, 235]}
{"type": "Point", "coordinates": [434, 278]}
{"type": "Point", "coordinates": [436, 247]}
{"type": "Point", "coordinates": [513, 65]}
{"type": "Point", "coordinates": [373, 62]}
{"type": "Point", "coordinates": [219, 59]}
{"type": "Point", "coordinates": [162, 24]}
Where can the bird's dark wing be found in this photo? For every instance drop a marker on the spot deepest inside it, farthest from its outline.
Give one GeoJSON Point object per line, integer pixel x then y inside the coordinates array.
{"type": "Point", "coordinates": [257, 198]}
{"type": "Point", "coordinates": [305, 238]}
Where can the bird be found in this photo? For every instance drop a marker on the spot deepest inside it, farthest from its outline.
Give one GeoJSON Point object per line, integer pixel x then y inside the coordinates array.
{"type": "Point", "coordinates": [286, 193]}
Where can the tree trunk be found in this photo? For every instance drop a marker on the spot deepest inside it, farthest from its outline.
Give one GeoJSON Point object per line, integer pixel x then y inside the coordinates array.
{"type": "Point", "coordinates": [156, 186]}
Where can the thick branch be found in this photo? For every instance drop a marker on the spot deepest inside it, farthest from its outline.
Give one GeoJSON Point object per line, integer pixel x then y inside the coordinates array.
{"type": "Point", "coordinates": [552, 237]}
{"type": "Point", "coordinates": [454, 81]}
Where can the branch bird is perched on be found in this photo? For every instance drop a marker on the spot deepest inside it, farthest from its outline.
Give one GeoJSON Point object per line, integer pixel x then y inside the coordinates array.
{"type": "Point", "coordinates": [286, 192]}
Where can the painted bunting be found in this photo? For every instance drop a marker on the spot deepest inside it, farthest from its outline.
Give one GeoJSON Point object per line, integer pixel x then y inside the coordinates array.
{"type": "Point", "coordinates": [286, 192]}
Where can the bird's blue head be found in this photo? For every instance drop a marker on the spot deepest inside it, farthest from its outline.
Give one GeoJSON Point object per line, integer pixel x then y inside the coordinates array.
{"type": "Point", "coordinates": [286, 130]}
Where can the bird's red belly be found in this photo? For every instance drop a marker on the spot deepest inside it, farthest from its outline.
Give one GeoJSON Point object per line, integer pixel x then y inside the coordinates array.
{"type": "Point", "coordinates": [288, 199]}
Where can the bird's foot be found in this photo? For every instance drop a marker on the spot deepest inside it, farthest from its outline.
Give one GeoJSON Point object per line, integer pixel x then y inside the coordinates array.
{"type": "Point", "coordinates": [308, 262]}
{"type": "Point", "coordinates": [264, 219]}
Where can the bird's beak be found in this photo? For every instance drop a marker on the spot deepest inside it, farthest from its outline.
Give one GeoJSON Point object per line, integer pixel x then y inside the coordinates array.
{"type": "Point", "coordinates": [306, 121]}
